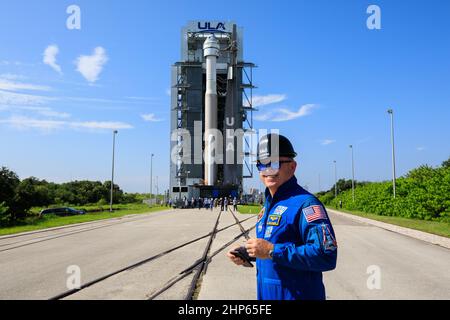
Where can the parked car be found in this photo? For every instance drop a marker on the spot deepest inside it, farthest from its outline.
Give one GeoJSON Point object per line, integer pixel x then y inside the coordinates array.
{"type": "Point", "coordinates": [63, 211]}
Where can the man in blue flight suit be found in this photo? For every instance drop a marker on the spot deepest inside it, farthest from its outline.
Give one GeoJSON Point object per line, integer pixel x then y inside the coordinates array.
{"type": "Point", "coordinates": [295, 239]}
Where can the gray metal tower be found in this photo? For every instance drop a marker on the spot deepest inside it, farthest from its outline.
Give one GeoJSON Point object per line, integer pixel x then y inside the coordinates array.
{"type": "Point", "coordinates": [211, 112]}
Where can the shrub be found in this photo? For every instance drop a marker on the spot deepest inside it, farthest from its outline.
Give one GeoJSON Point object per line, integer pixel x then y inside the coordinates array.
{"type": "Point", "coordinates": [424, 193]}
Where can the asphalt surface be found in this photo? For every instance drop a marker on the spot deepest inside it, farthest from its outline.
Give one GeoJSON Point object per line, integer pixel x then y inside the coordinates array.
{"type": "Point", "coordinates": [408, 268]}
{"type": "Point", "coordinates": [34, 266]}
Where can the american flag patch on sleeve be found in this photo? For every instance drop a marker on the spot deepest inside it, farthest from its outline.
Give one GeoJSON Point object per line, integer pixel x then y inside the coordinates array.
{"type": "Point", "coordinates": [314, 213]}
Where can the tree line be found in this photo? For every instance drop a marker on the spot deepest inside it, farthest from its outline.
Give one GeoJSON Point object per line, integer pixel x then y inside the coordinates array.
{"type": "Point", "coordinates": [17, 196]}
{"type": "Point", "coordinates": [423, 193]}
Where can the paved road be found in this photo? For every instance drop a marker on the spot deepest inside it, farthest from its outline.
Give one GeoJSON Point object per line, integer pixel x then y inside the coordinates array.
{"type": "Point", "coordinates": [35, 266]}
{"type": "Point", "coordinates": [408, 268]}
{"type": "Point", "coordinates": [39, 270]}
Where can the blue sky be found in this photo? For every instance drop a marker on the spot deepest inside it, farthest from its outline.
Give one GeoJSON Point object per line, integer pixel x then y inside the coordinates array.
{"type": "Point", "coordinates": [57, 110]}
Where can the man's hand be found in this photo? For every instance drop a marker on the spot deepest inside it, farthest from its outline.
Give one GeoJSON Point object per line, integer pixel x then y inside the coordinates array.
{"type": "Point", "coordinates": [234, 259]}
{"type": "Point", "coordinates": [259, 248]}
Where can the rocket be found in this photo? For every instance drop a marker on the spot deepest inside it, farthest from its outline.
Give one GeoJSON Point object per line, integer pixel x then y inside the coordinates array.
{"type": "Point", "coordinates": [211, 52]}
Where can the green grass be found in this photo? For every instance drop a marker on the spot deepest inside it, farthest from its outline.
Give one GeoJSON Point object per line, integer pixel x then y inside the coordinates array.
{"type": "Point", "coordinates": [50, 221]}
{"type": "Point", "coordinates": [249, 209]}
{"type": "Point", "coordinates": [434, 227]}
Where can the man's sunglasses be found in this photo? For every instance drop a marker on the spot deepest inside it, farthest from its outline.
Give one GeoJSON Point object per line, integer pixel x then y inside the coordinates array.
{"type": "Point", "coordinates": [275, 165]}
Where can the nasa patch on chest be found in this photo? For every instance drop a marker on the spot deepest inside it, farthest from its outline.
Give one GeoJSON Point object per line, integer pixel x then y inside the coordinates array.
{"type": "Point", "coordinates": [280, 210]}
{"type": "Point", "coordinates": [274, 220]}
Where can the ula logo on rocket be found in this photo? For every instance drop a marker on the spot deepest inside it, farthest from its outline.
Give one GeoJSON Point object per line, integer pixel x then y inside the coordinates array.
{"type": "Point", "coordinates": [206, 26]}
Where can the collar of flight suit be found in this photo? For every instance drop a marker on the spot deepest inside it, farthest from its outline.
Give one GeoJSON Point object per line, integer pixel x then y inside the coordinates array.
{"type": "Point", "coordinates": [283, 191]}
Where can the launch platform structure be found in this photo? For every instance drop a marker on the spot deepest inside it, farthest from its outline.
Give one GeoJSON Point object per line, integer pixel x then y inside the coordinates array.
{"type": "Point", "coordinates": [212, 89]}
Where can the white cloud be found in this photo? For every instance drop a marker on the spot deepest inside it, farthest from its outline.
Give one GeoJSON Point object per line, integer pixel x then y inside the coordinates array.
{"type": "Point", "coordinates": [16, 63]}
{"type": "Point", "coordinates": [91, 66]}
{"type": "Point", "coordinates": [150, 117]}
{"type": "Point", "coordinates": [259, 101]}
{"type": "Point", "coordinates": [6, 84]}
{"type": "Point", "coordinates": [54, 114]}
{"type": "Point", "coordinates": [143, 99]}
{"type": "Point", "coordinates": [97, 100]}
{"type": "Point", "coordinates": [50, 54]}
{"type": "Point", "coordinates": [283, 114]}
{"type": "Point", "coordinates": [100, 125]}
{"type": "Point", "coordinates": [48, 112]}
{"type": "Point", "coordinates": [168, 91]}
{"type": "Point", "coordinates": [21, 99]}
{"type": "Point", "coordinates": [44, 111]}
{"type": "Point", "coordinates": [327, 142]}
{"type": "Point", "coordinates": [22, 122]}
{"type": "Point", "coordinates": [100, 100]}
{"type": "Point", "coordinates": [11, 76]}
{"type": "Point", "coordinates": [420, 149]}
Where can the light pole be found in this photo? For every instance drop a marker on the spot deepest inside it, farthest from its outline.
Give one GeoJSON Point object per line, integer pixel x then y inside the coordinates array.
{"type": "Point", "coordinates": [151, 178]}
{"type": "Point", "coordinates": [353, 175]}
{"type": "Point", "coordinates": [391, 112]}
{"type": "Point", "coordinates": [335, 180]}
{"type": "Point", "coordinates": [112, 175]}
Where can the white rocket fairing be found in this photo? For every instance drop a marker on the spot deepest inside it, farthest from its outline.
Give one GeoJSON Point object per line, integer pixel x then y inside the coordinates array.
{"type": "Point", "coordinates": [211, 52]}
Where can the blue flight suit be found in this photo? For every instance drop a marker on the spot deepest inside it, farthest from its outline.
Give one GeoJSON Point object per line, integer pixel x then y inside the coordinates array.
{"type": "Point", "coordinates": [297, 224]}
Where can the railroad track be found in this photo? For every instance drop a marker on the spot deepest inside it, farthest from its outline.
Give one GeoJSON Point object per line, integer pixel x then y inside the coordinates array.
{"type": "Point", "coordinates": [198, 267]}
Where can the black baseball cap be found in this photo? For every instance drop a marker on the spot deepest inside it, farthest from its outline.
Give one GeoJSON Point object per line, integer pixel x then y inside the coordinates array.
{"type": "Point", "coordinates": [275, 145]}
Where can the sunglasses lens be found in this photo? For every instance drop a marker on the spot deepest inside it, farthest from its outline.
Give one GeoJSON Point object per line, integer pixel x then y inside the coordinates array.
{"type": "Point", "coordinates": [271, 165]}
{"type": "Point", "coordinates": [262, 167]}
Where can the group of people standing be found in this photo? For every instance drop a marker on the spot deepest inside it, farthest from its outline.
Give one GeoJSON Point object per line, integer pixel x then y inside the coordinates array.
{"type": "Point", "coordinates": [208, 203]}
